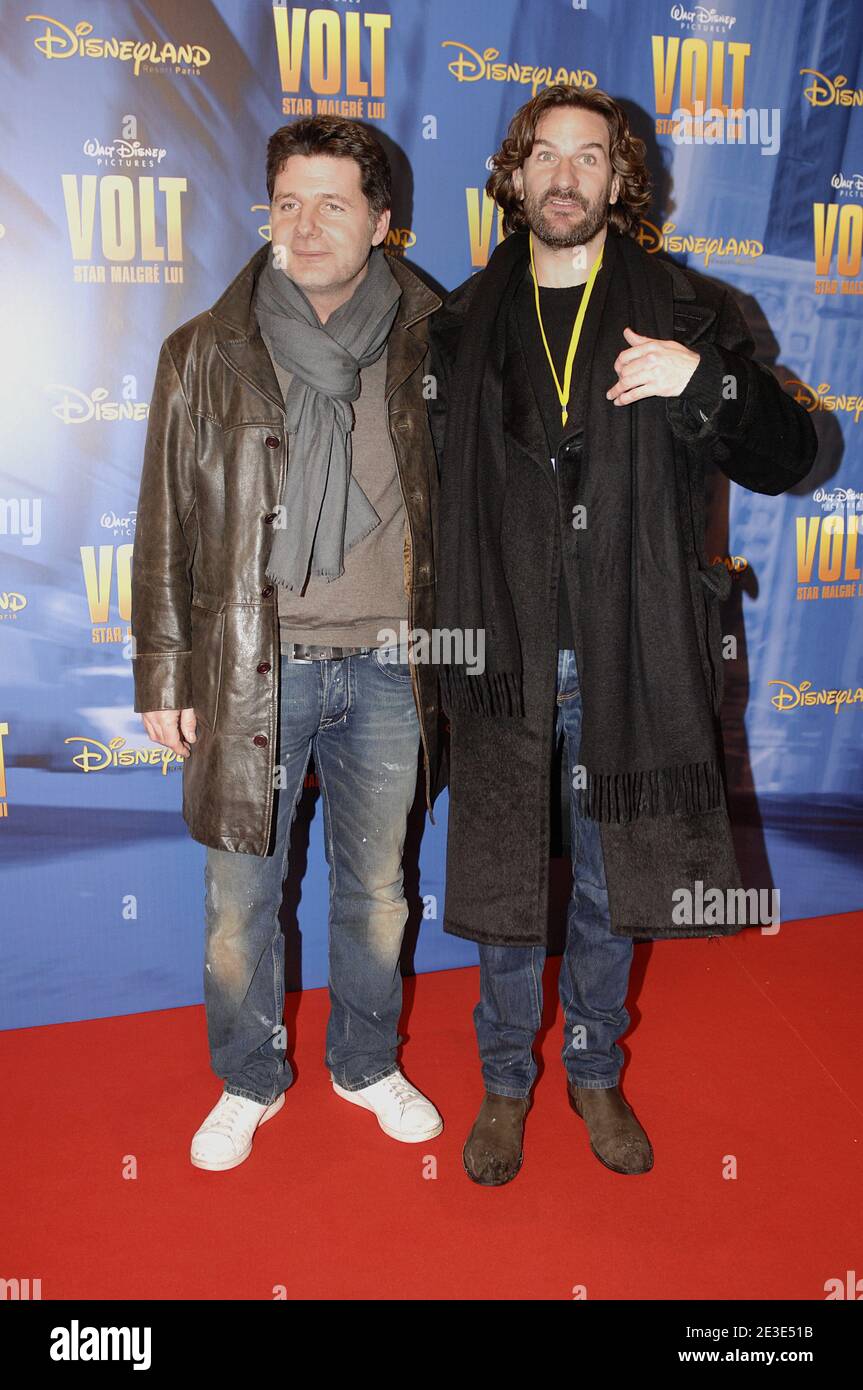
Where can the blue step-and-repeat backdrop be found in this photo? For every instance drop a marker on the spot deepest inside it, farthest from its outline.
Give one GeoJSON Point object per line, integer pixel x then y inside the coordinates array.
{"type": "Point", "coordinates": [133, 149]}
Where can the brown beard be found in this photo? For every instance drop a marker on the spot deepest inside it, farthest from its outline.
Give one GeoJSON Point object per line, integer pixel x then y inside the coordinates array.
{"type": "Point", "coordinates": [596, 216]}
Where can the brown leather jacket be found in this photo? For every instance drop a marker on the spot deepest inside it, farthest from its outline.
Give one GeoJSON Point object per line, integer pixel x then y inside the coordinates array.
{"type": "Point", "coordinates": [204, 615]}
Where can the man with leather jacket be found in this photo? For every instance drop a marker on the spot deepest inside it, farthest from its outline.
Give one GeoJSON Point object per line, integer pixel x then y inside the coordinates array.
{"type": "Point", "coordinates": [285, 531]}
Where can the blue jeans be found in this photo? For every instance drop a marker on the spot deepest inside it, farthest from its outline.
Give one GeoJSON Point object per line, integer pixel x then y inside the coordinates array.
{"type": "Point", "coordinates": [357, 714]}
{"type": "Point", "coordinates": [594, 971]}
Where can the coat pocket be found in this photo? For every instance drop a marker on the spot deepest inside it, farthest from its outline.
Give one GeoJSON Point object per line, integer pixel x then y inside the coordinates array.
{"type": "Point", "coordinates": [207, 638]}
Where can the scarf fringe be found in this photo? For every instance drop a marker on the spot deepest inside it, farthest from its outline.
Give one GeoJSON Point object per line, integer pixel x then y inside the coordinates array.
{"type": "Point", "coordinates": [489, 693]}
{"type": "Point", "coordinates": [688, 788]}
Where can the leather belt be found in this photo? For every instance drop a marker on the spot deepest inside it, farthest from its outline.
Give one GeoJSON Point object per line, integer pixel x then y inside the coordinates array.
{"type": "Point", "coordinates": [310, 651]}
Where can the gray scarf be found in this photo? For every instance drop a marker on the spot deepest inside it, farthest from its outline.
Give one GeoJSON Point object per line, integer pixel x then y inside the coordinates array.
{"type": "Point", "coordinates": [324, 510]}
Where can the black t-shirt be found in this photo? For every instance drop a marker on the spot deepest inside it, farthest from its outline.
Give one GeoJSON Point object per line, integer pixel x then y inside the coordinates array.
{"type": "Point", "coordinates": [559, 308]}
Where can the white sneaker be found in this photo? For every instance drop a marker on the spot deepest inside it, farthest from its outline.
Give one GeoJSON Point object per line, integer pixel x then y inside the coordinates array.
{"type": "Point", "coordinates": [225, 1137]}
{"type": "Point", "coordinates": [403, 1112]}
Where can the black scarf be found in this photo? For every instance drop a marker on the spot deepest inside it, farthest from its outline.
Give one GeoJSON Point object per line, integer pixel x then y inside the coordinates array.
{"type": "Point", "coordinates": [648, 733]}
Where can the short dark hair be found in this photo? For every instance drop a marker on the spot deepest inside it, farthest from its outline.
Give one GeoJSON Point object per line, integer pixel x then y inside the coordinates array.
{"type": "Point", "coordinates": [339, 139]}
{"type": "Point", "coordinates": [626, 150]}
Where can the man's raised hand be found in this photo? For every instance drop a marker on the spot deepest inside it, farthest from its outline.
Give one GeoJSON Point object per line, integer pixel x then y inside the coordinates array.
{"type": "Point", "coordinates": [651, 367]}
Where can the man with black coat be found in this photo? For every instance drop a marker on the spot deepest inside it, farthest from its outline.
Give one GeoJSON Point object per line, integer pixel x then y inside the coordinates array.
{"type": "Point", "coordinates": [583, 386]}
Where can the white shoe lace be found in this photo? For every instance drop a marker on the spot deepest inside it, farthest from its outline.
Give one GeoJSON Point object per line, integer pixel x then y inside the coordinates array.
{"type": "Point", "coordinates": [227, 1118]}
{"type": "Point", "coordinates": [401, 1089]}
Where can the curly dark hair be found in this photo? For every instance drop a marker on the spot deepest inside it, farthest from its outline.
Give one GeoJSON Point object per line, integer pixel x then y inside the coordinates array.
{"type": "Point", "coordinates": [627, 156]}
{"type": "Point", "coordinates": [340, 139]}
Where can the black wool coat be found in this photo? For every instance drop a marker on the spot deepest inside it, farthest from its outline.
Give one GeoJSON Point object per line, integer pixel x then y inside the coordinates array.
{"type": "Point", "coordinates": [500, 769]}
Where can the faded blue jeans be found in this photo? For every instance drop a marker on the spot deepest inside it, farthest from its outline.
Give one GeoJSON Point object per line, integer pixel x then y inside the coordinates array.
{"type": "Point", "coordinates": [357, 714]}
{"type": "Point", "coordinates": [594, 971]}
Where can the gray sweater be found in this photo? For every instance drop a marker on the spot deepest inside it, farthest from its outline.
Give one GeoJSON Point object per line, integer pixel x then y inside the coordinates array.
{"type": "Point", "coordinates": [371, 594]}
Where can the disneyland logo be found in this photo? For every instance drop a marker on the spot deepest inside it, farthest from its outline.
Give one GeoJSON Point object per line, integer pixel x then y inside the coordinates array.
{"type": "Point", "coordinates": [78, 407]}
{"type": "Point", "coordinates": [839, 499]}
{"type": "Point", "coordinates": [96, 756]}
{"type": "Point", "coordinates": [821, 399]}
{"type": "Point", "coordinates": [735, 564]}
{"type": "Point", "coordinates": [11, 604]}
{"type": "Point", "coordinates": [848, 188]}
{"type": "Point", "coordinates": [119, 525]}
{"type": "Point", "coordinates": [124, 153]}
{"type": "Point", "coordinates": [400, 238]}
{"type": "Point", "coordinates": [701, 18]}
{"type": "Point", "coordinates": [396, 239]}
{"type": "Point", "coordinates": [471, 66]}
{"type": "Point", "coordinates": [59, 41]}
{"type": "Point", "coordinates": [804, 696]}
{"type": "Point", "coordinates": [827, 91]}
{"type": "Point", "coordinates": [654, 239]}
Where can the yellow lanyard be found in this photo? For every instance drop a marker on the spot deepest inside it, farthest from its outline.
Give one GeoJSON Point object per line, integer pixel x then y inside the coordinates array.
{"type": "Point", "coordinates": [563, 391]}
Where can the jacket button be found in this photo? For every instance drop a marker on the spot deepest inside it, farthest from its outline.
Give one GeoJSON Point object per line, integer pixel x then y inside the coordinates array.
{"type": "Point", "coordinates": [263, 667]}
{"type": "Point", "coordinates": [260, 740]}
{"type": "Point", "coordinates": [266, 591]}
{"type": "Point", "coordinates": [272, 441]}
{"type": "Point", "coordinates": [270, 518]}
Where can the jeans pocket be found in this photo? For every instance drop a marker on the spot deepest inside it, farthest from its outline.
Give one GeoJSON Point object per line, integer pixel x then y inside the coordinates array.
{"type": "Point", "coordinates": [390, 662]}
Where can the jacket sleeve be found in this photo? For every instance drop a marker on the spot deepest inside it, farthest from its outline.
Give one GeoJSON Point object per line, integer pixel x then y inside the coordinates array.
{"type": "Point", "coordinates": [735, 409]}
{"type": "Point", "coordinates": [165, 531]}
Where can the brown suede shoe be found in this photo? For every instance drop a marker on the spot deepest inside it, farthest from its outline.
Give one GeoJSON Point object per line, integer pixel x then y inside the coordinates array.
{"type": "Point", "coordinates": [493, 1152]}
{"type": "Point", "coordinates": [616, 1137]}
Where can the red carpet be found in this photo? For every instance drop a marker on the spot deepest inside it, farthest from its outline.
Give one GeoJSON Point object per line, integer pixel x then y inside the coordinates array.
{"type": "Point", "coordinates": [746, 1047]}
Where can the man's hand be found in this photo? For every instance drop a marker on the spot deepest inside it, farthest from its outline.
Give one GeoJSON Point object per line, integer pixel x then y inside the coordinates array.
{"type": "Point", "coordinates": [651, 367]}
{"type": "Point", "coordinates": [175, 728]}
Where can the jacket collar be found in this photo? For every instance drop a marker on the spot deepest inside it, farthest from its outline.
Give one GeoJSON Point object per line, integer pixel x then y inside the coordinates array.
{"type": "Point", "coordinates": [239, 340]}
{"type": "Point", "coordinates": [682, 314]}
{"type": "Point", "coordinates": [679, 311]}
